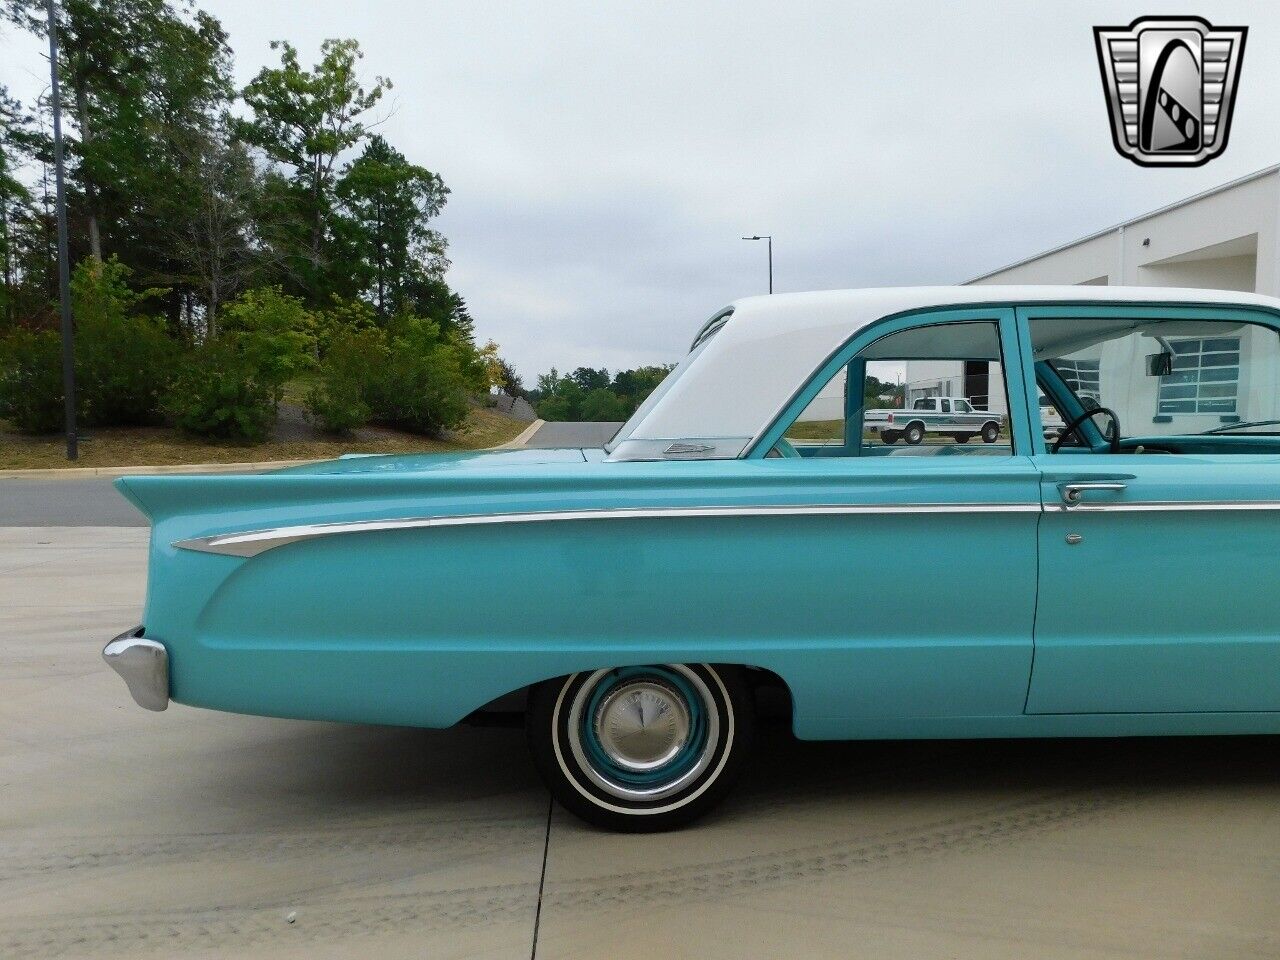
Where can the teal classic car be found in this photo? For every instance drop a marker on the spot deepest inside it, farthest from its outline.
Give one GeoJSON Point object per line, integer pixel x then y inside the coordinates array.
{"type": "Point", "coordinates": [736, 534]}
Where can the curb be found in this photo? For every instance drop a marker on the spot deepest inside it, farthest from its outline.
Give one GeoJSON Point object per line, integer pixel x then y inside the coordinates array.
{"type": "Point", "coordinates": [525, 436]}
{"type": "Point", "coordinates": [80, 473]}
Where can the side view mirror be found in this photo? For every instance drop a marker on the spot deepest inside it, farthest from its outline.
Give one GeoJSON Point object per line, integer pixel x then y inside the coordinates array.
{"type": "Point", "coordinates": [1159, 364]}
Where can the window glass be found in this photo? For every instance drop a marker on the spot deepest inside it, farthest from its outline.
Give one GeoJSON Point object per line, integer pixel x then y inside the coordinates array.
{"type": "Point", "coordinates": [1164, 380]}
{"type": "Point", "coordinates": [822, 422]}
{"type": "Point", "coordinates": [894, 399]}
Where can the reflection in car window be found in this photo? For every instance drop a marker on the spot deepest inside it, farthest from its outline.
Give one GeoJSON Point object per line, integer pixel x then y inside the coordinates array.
{"type": "Point", "coordinates": [1167, 380]}
{"type": "Point", "coordinates": [874, 414]}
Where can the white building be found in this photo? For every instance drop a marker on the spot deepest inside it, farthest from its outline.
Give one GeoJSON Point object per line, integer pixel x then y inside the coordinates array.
{"type": "Point", "coordinates": [1227, 238]}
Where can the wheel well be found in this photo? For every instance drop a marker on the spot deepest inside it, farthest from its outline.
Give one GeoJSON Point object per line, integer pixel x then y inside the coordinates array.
{"type": "Point", "coordinates": [773, 698]}
{"type": "Point", "coordinates": [915, 423]}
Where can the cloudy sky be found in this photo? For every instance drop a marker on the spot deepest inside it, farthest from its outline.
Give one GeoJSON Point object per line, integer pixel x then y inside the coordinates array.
{"type": "Point", "coordinates": [605, 157]}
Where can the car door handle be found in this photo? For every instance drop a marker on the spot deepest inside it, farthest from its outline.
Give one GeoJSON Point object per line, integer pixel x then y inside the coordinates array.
{"type": "Point", "coordinates": [1073, 491]}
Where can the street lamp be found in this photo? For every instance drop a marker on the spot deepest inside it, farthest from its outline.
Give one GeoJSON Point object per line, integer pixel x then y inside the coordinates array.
{"type": "Point", "coordinates": [770, 239]}
{"type": "Point", "coordinates": [64, 267]}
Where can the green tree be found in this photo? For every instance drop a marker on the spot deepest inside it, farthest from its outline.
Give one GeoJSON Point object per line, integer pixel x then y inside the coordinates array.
{"type": "Point", "coordinates": [305, 120]}
{"type": "Point", "coordinates": [387, 203]}
{"type": "Point", "coordinates": [603, 405]}
{"type": "Point", "coordinates": [588, 378]}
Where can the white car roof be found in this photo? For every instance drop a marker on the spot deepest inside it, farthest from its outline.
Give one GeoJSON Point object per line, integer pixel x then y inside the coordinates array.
{"type": "Point", "coordinates": [740, 382]}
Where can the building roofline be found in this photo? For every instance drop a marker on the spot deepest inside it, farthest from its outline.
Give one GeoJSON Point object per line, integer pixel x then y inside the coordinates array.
{"type": "Point", "coordinates": [1247, 178]}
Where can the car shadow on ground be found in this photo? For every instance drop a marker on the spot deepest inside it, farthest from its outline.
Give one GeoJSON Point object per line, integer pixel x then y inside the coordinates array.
{"type": "Point", "coordinates": [323, 765]}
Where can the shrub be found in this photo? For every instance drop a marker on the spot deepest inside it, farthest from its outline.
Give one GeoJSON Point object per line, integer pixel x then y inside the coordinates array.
{"type": "Point", "coordinates": [353, 357]}
{"type": "Point", "coordinates": [275, 332]}
{"type": "Point", "coordinates": [425, 380]}
{"type": "Point", "coordinates": [220, 392]}
{"type": "Point", "coordinates": [124, 361]}
{"type": "Point", "coordinates": [31, 380]}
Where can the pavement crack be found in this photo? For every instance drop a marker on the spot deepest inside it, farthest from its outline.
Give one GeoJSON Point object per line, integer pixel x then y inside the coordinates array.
{"type": "Point", "coordinates": [542, 879]}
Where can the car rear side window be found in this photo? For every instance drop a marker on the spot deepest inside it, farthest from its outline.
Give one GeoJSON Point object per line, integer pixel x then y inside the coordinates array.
{"type": "Point", "coordinates": [878, 404]}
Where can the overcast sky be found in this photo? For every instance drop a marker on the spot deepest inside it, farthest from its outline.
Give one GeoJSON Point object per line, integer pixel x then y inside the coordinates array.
{"type": "Point", "coordinates": [605, 158]}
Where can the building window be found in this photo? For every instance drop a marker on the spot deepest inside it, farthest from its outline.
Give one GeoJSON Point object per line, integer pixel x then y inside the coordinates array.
{"type": "Point", "coordinates": [1205, 377]}
{"type": "Point", "coordinates": [1081, 376]}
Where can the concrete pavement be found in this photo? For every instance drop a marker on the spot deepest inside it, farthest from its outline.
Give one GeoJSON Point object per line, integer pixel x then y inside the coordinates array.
{"type": "Point", "coordinates": [196, 834]}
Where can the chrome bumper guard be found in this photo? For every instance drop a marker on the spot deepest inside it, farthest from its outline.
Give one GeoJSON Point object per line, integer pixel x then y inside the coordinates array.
{"type": "Point", "coordinates": [144, 665]}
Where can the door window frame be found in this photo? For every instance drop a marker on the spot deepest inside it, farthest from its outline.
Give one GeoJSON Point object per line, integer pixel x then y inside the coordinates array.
{"type": "Point", "coordinates": [1014, 371]}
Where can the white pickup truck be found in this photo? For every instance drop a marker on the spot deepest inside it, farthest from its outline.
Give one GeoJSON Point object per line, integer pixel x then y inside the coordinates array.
{"type": "Point", "coordinates": [954, 416]}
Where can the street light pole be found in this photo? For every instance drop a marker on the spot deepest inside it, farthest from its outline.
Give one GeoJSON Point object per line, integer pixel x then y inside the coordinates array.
{"type": "Point", "coordinates": [64, 267]}
{"type": "Point", "coordinates": [770, 239]}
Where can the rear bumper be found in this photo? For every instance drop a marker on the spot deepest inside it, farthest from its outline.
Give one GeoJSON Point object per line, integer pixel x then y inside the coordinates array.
{"type": "Point", "coordinates": [144, 666]}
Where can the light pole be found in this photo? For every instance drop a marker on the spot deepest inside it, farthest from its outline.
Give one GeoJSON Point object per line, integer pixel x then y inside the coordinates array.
{"type": "Point", "coordinates": [64, 268]}
{"type": "Point", "coordinates": [770, 239]}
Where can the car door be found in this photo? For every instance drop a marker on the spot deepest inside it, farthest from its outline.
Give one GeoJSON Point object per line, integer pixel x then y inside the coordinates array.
{"type": "Point", "coordinates": [894, 632]}
{"type": "Point", "coordinates": [1158, 564]}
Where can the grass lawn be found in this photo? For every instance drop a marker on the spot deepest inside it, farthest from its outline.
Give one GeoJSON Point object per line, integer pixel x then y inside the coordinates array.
{"type": "Point", "coordinates": [155, 446]}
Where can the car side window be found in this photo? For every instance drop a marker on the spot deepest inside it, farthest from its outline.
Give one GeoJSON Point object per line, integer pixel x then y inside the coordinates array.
{"type": "Point", "coordinates": [1175, 385]}
{"type": "Point", "coordinates": [886, 401]}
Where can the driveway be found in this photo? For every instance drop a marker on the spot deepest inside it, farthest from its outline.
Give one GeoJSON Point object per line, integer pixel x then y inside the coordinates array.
{"type": "Point", "coordinates": [196, 834]}
{"type": "Point", "coordinates": [554, 434]}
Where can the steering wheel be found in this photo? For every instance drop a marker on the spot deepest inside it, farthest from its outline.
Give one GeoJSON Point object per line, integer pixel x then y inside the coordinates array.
{"type": "Point", "coordinates": [1112, 435]}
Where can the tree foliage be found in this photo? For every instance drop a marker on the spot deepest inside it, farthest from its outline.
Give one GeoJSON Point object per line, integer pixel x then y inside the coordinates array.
{"type": "Point", "coordinates": [228, 241]}
{"type": "Point", "coordinates": [590, 394]}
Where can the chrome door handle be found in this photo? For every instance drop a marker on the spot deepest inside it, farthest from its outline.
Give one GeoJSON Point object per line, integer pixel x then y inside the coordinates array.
{"type": "Point", "coordinates": [1072, 492]}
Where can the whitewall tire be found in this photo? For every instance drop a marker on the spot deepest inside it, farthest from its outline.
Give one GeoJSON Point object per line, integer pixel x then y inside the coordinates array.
{"type": "Point", "coordinates": [641, 748]}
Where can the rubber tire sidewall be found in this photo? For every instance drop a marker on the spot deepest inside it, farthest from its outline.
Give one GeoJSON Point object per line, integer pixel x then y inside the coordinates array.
{"type": "Point", "coordinates": [907, 433]}
{"type": "Point", "coordinates": [541, 735]}
{"type": "Point", "coordinates": [995, 436]}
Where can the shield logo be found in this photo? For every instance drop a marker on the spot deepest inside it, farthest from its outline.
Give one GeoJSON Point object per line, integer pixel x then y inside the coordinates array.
{"type": "Point", "coordinates": [1170, 84]}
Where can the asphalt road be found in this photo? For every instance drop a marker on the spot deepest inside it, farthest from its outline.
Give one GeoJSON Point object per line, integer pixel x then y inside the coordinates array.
{"type": "Point", "coordinates": [92, 501]}
{"type": "Point", "coordinates": [563, 434]}
{"type": "Point", "coordinates": [60, 502]}
{"type": "Point", "coordinates": [127, 834]}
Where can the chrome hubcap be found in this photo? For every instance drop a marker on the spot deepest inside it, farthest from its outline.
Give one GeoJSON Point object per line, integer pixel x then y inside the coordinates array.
{"type": "Point", "coordinates": [642, 726]}
{"type": "Point", "coordinates": [643, 733]}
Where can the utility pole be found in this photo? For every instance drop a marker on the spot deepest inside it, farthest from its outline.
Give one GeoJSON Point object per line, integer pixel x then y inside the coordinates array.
{"type": "Point", "coordinates": [770, 239]}
{"type": "Point", "coordinates": [64, 267]}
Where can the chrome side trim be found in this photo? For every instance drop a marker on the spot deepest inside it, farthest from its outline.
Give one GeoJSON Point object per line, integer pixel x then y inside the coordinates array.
{"type": "Point", "coordinates": [250, 543]}
{"type": "Point", "coordinates": [1164, 506]}
{"type": "Point", "coordinates": [684, 448]}
{"type": "Point", "coordinates": [144, 666]}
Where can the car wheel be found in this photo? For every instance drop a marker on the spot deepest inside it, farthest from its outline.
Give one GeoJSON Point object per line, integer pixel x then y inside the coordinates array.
{"type": "Point", "coordinates": [888, 436]}
{"type": "Point", "coordinates": [990, 433]}
{"type": "Point", "coordinates": [963, 437]}
{"type": "Point", "coordinates": [641, 748]}
{"type": "Point", "coordinates": [913, 434]}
